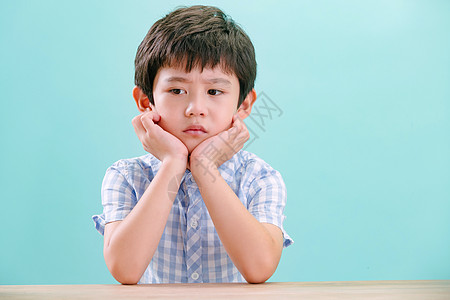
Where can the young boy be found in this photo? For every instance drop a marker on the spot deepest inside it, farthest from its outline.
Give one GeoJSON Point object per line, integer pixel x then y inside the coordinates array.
{"type": "Point", "coordinates": [197, 208]}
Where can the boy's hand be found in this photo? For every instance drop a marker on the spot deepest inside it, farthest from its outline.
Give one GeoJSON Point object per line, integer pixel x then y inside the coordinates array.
{"type": "Point", "coordinates": [217, 149]}
{"type": "Point", "coordinates": [156, 140]}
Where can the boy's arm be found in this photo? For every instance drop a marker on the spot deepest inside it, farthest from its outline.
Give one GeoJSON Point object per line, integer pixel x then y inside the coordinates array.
{"type": "Point", "coordinates": [129, 244]}
{"type": "Point", "coordinates": [255, 248]}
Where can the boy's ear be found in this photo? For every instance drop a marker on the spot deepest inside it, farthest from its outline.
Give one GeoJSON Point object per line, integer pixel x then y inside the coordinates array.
{"type": "Point", "coordinates": [246, 106]}
{"type": "Point", "coordinates": [142, 101]}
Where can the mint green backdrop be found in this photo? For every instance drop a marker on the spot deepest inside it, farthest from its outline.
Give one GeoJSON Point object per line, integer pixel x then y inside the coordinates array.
{"type": "Point", "coordinates": [363, 139]}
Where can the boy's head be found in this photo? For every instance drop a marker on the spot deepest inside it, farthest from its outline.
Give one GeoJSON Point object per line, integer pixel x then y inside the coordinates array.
{"type": "Point", "coordinates": [196, 37]}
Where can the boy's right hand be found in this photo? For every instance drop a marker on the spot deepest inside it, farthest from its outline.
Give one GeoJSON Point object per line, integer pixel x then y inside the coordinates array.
{"type": "Point", "coordinates": [156, 140]}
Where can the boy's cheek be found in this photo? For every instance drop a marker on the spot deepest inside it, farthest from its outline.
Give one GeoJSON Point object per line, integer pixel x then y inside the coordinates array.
{"type": "Point", "coordinates": [162, 123]}
{"type": "Point", "coordinates": [166, 126]}
{"type": "Point", "coordinates": [230, 125]}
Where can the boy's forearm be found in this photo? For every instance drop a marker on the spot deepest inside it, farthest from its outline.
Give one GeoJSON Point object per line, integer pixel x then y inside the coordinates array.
{"type": "Point", "coordinates": [131, 246]}
{"type": "Point", "coordinates": [254, 248]}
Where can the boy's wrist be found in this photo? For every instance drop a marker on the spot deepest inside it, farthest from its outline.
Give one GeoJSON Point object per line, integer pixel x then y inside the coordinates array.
{"type": "Point", "coordinates": [177, 161]}
{"type": "Point", "coordinates": [203, 167]}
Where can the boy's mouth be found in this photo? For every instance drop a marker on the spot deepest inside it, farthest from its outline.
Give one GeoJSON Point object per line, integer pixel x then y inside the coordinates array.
{"type": "Point", "coordinates": [195, 130]}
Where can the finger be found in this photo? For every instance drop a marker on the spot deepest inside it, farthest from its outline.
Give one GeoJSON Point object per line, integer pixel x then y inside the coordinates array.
{"type": "Point", "coordinates": [147, 121]}
{"type": "Point", "coordinates": [241, 132]}
{"type": "Point", "coordinates": [238, 122]}
{"type": "Point", "coordinates": [137, 125]}
{"type": "Point", "coordinates": [155, 116]}
{"type": "Point", "coordinates": [244, 134]}
{"type": "Point", "coordinates": [238, 126]}
{"type": "Point", "coordinates": [233, 131]}
{"type": "Point", "coordinates": [242, 123]}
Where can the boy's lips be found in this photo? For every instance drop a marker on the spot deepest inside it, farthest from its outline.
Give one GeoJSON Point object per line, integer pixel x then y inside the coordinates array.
{"type": "Point", "coordinates": [195, 130]}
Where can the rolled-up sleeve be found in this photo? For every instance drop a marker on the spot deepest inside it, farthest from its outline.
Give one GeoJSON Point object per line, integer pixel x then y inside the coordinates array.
{"type": "Point", "coordinates": [118, 197]}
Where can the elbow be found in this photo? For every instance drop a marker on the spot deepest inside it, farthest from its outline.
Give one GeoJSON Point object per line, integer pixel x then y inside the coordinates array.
{"type": "Point", "coordinates": [256, 279]}
{"type": "Point", "coordinates": [126, 280]}
{"type": "Point", "coordinates": [259, 272]}
{"type": "Point", "coordinates": [126, 277]}
{"type": "Point", "coordinates": [124, 273]}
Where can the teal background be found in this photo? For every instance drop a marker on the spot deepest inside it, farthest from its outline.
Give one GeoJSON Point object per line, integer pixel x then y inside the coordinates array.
{"type": "Point", "coordinates": [363, 142]}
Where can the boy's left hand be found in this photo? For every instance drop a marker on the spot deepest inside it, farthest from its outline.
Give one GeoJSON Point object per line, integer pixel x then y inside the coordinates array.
{"type": "Point", "coordinates": [216, 150]}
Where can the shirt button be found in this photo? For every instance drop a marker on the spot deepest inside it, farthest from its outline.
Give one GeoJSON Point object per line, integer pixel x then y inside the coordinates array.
{"type": "Point", "coordinates": [195, 276]}
{"type": "Point", "coordinates": [194, 225]}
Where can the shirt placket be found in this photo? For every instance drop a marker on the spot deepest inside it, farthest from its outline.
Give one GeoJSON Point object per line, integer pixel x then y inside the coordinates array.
{"type": "Point", "coordinates": [193, 240]}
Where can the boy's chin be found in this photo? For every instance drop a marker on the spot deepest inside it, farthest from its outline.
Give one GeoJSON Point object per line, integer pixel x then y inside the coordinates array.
{"type": "Point", "coordinates": [191, 145]}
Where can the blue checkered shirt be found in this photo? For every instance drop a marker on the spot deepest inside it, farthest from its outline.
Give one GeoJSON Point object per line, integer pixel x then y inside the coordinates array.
{"type": "Point", "coordinates": [190, 249]}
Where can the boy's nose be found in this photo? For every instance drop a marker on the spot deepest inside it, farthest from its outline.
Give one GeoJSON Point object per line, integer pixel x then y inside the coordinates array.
{"type": "Point", "coordinates": [196, 107]}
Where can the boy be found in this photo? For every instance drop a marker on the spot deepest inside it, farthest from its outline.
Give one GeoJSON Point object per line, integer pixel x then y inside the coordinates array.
{"type": "Point", "coordinates": [197, 208]}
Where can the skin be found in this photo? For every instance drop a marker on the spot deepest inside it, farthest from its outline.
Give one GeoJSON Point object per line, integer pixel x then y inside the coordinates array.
{"type": "Point", "coordinates": [192, 111]}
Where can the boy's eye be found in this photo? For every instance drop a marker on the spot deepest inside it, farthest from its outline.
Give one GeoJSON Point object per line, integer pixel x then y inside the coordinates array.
{"type": "Point", "coordinates": [214, 92]}
{"type": "Point", "coordinates": [177, 91]}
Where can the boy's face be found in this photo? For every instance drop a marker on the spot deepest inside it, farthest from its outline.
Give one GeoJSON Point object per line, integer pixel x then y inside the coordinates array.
{"type": "Point", "coordinates": [197, 105]}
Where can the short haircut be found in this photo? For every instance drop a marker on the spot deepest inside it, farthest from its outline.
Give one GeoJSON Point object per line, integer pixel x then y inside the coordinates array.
{"type": "Point", "coordinates": [196, 37]}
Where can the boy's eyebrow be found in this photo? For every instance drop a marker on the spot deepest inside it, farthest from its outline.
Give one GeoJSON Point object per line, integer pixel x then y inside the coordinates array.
{"type": "Point", "coordinates": [219, 80]}
{"type": "Point", "coordinates": [176, 79]}
{"type": "Point", "coordinates": [211, 80]}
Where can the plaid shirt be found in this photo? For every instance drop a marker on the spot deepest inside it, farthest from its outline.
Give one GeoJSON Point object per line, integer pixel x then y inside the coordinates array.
{"type": "Point", "coordinates": [190, 249]}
